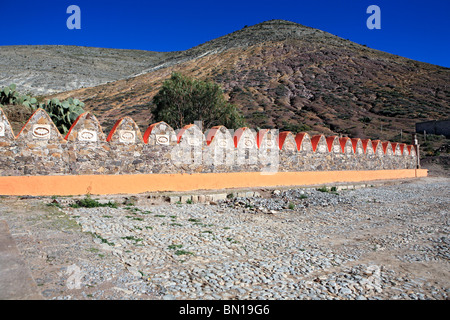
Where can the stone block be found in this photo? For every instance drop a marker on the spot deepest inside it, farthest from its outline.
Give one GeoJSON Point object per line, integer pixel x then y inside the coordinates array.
{"type": "Point", "coordinates": [174, 199]}
{"type": "Point", "coordinates": [160, 133]}
{"type": "Point", "coordinates": [319, 144]}
{"type": "Point", "coordinates": [86, 129]}
{"type": "Point", "coordinates": [286, 141]}
{"type": "Point", "coordinates": [219, 196]}
{"type": "Point", "coordinates": [220, 148]}
{"type": "Point", "coordinates": [246, 147]}
{"type": "Point", "coordinates": [125, 131]}
{"type": "Point", "coordinates": [333, 144]}
{"type": "Point", "coordinates": [185, 198]}
{"type": "Point", "coordinates": [303, 142]}
{"type": "Point", "coordinates": [6, 133]}
{"type": "Point", "coordinates": [188, 153]}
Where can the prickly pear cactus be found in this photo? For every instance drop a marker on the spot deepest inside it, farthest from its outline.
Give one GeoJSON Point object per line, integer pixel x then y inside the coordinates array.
{"type": "Point", "coordinates": [62, 113]}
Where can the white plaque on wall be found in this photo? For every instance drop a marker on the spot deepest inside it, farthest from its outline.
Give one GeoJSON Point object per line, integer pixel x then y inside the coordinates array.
{"type": "Point", "coordinates": [162, 139]}
{"type": "Point", "coordinates": [289, 145]}
{"type": "Point", "coordinates": [270, 144]}
{"type": "Point", "coordinates": [336, 149]}
{"type": "Point", "coordinates": [193, 141]}
{"type": "Point", "coordinates": [41, 131]}
{"type": "Point", "coordinates": [87, 135]}
{"type": "Point", "coordinates": [223, 143]}
{"type": "Point", "coordinates": [127, 136]}
{"type": "Point", "coordinates": [322, 148]}
{"type": "Point", "coordinates": [248, 143]}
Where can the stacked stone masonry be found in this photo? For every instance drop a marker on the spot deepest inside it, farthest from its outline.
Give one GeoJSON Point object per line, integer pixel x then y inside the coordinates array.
{"type": "Point", "coordinates": [39, 149]}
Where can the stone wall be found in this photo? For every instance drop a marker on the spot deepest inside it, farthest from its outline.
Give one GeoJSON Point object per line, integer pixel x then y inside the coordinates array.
{"type": "Point", "coordinates": [39, 149]}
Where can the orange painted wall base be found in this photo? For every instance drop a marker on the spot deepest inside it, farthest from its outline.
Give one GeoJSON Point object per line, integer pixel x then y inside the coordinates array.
{"type": "Point", "coordinates": [133, 184]}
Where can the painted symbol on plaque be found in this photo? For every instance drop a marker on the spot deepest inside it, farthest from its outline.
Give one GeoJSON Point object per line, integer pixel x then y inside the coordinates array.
{"type": "Point", "coordinates": [359, 150]}
{"type": "Point", "coordinates": [223, 143]}
{"type": "Point", "coordinates": [289, 145]}
{"type": "Point", "coordinates": [41, 131]}
{"type": "Point", "coordinates": [269, 144]}
{"type": "Point", "coordinates": [87, 135]}
{"type": "Point", "coordinates": [248, 143]}
{"type": "Point", "coordinates": [2, 129]}
{"type": "Point", "coordinates": [336, 149]}
{"type": "Point", "coordinates": [193, 141]}
{"type": "Point", "coordinates": [127, 136]}
{"type": "Point", "coordinates": [162, 139]}
{"type": "Point", "coordinates": [322, 149]}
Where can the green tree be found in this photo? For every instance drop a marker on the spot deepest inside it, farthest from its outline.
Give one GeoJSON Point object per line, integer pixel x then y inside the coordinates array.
{"type": "Point", "coordinates": [183, 100]}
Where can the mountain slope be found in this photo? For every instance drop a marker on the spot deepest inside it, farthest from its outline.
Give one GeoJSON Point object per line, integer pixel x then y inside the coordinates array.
{"type": "Point", "coordinates": [287, 76]}
{"type": "Point", "coordinates": [50, 69]}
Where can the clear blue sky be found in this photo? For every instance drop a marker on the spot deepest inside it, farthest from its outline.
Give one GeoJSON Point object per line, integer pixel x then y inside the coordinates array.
{"type": "Point", "coordinates": [414, 29]}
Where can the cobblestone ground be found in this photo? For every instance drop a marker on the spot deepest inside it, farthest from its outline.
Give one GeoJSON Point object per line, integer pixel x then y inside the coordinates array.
{"type": "Point", "coordinates": [384, 242]}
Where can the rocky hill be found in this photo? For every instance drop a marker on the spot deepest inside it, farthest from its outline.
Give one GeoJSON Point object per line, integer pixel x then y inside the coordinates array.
{"type": "Point", "coordinates": [43, 70]}
{"type": "Point", "coordinates": [285, 75]}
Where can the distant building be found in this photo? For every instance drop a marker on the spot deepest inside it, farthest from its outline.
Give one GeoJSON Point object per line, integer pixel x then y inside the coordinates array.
{"type": "Point", "coordinates": [440, 127]}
